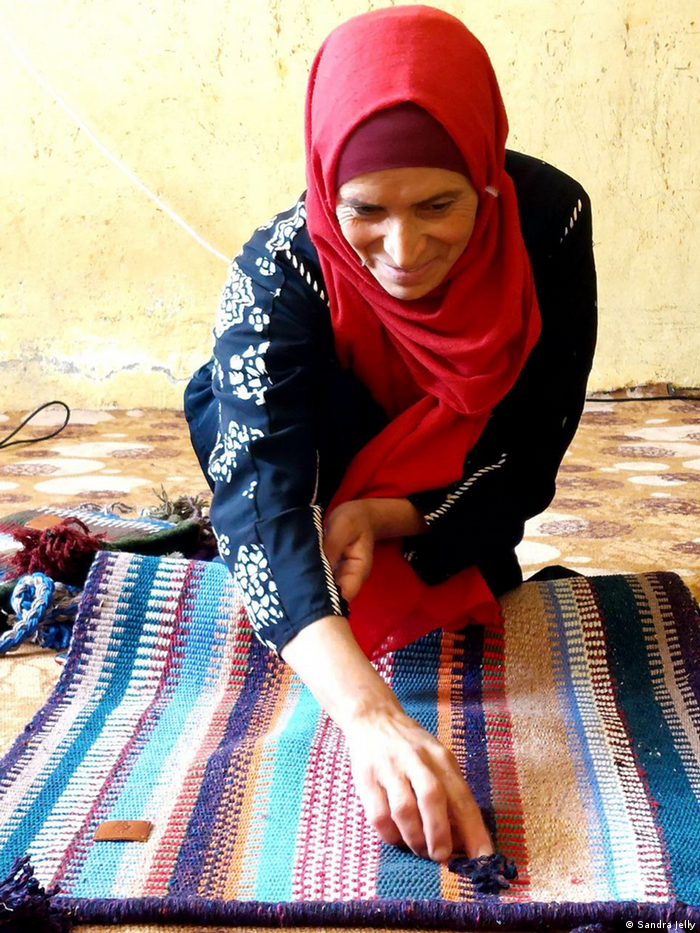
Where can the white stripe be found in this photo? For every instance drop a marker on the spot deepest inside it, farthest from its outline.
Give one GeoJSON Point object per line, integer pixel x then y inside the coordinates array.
{"type": "Point", "coordinates": [575, 214]}
{"type": "Point", "coordinates": [86, 783]}
{"type": "Point", "coordinates": [318, 466]}
{"type": "Point", "coordinates": [27, 779]}
{"type": "Point", "coordinates": [452, 497]}
{"type": "Point", "coordinates": [330, 579]}
{"type": "Point", "coordinates": [625, 805]}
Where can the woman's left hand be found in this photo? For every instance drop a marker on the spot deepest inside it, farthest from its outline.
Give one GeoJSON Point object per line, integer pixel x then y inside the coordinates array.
{"type": "Point", "coordinates": [349, 545]}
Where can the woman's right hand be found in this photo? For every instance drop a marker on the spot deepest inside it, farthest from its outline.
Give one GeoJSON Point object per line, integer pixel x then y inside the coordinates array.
{"type": "Point", "coordinates": [412, 788]}
{"type": "Point", "coordinates": [410, 785]}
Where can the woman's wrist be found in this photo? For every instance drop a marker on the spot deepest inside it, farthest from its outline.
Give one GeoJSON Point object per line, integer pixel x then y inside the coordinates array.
{"type": "Point", "coordinates": [328, 659]}
{"type": "Point", "coordinates": [394, 518]}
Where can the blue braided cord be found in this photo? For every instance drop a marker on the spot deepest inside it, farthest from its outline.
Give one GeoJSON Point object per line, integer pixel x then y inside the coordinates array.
{"type": "Point", "coordinates": [29, 599]}
{"type": "Point", "coordinates": [56, 628]}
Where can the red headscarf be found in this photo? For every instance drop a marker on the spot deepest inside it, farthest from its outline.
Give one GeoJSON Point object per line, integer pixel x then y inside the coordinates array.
{"type": "Point", "coordinates": [438, 364]}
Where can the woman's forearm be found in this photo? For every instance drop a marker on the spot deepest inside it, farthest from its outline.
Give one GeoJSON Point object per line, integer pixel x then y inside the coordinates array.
{"type": "Point", "coordinates": [411, 786]}
{"type": "Point", "coordinates": [328, 659]}
{"type": "Point", "coordinates": [394, 518]}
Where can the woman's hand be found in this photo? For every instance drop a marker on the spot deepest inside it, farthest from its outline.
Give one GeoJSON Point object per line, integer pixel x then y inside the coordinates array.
{"type": "Point", "coordinates": [351, 530]}
{"type": "Point", "coordinates": [349, 545]}
{"type": "Point", "coordinates": [412, 788]}
{"type": "Point", "coordinates": [410, 785]}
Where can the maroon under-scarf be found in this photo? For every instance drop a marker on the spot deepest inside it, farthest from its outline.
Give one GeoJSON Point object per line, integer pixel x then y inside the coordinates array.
{"type": "Point", "coordinates": [438, 364]}
{"type": "Point", "coordinates": [401, 136]}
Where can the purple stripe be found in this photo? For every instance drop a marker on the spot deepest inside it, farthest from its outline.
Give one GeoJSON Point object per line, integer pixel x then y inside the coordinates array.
{"type": "Point", "coordinates": [231, 757]}
{"type": "Point", "coordinates": [475, 747]}
{"type": "Point", "coordinates": [484, 914]}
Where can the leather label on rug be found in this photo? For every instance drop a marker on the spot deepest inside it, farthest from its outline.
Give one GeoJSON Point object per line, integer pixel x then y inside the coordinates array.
{"type": "Point", "coordinates": [44, 521]}
{"type": "Point", "coordinates": [123, 831]}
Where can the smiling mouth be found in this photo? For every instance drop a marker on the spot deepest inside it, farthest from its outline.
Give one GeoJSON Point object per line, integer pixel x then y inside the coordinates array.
{"type": "Point", "coordinates": [406, 276]}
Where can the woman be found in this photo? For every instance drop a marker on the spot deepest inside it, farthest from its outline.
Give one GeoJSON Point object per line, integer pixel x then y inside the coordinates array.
{"type": "Point", "coordinates": [400, 363]}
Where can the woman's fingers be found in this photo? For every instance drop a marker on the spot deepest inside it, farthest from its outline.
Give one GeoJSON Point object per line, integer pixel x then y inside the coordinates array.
{"type": "Point", "coordinates": [405, 813]}
{"type": "Point", "coordinates": [432, 804]}
{"type": "Point", "coordinates": [377, 809]}
{"type": "Point", "coordinates": [354, 567]}
{"type": "Point", "coordinates": [467, 821]}
{"type": "Point", "coordinates": [413, 790]}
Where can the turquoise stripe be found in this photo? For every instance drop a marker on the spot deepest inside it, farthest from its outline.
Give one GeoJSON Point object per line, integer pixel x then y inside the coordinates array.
{"type": "Point", "coordinates": [190, 674]}
{"type": "Point", "coordinates": [276, 861]}
{"type": "Point", "coordinates": [678, 815]}
{"type": "Point", "coordinates": [567, 646]}
{"type": "Point", "coordinates": [122, 644]}
{"type": "Point", "coordinates": [402, 874]}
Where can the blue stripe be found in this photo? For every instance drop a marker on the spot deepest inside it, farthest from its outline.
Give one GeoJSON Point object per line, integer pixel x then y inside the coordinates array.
{"type": "Point", "coordinates": [122, 644]}
{"type": "Point", "coordinates": [276, 861]}
{"type": "Point", "coordinates": [678, 814]}
{"type": "Point", "coordinates": [190, 675]}
{"type": "Point", "coordinates": [567, 643]}
{"type": "Point", "coordinates": [402, 874]}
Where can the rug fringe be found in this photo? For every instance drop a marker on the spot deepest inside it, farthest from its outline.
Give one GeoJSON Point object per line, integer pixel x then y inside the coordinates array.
{"type": "Point", "coordinates": [25, 905]}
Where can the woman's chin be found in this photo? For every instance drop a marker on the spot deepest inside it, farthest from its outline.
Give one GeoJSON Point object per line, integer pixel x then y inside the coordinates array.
{"type": "Point", "coordinates": [407, 292]}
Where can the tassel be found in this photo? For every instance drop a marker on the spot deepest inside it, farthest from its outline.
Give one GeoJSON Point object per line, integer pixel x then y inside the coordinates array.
{"type": "Point", "coordinates": [176, 510]}
{"type": "Point", "coordinates": [24, 904]}
{"type": "Point", "coordinates": [62, 552]}
{"type": "Point", "coordinates": [489, 873]}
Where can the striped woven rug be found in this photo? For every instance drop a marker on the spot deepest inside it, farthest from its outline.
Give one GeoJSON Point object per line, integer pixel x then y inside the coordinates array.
{"type": "Point", "coordinates": [577, 726]}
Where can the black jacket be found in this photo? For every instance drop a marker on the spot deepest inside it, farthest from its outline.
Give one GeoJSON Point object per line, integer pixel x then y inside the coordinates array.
{"type": "Point", "coordinates": [288, 419]}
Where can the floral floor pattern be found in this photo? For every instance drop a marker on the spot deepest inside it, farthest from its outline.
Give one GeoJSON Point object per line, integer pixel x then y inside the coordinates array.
{"type": "Point", "coordinates": [628, 498]}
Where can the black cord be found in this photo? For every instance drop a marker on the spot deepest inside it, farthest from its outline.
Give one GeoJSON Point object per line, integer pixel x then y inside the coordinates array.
{"type": "Point", "coordinates": [35, 440]}
{"type": "Point", "coordinates": [648, 398]}
{"type": "Point", "coordinates": [671, 394]}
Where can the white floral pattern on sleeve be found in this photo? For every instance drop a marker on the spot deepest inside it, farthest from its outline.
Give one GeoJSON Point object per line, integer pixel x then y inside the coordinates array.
{"type": "Point", "coordinates": [223, 542]}
{"type": "Point", "coordinates": [286, 228]}
{"type": "Point", "coordinates": [247, 374]}
{"type": "Point", "coordinates": [236, 298]}
{"type": "Point", "coordinates": [266, 266]}
{"type": "Point", "coordinates": [258, 589]}
{"type": "Point", "coordinates": [224, 457]}
{"type": "Point", "coordinates": [249, 491]}
{"type": "Point", "coordinates": [258, 320]}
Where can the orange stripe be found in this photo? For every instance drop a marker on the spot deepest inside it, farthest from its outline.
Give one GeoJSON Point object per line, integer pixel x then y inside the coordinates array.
{"type": "Point", "coordinates": [256, 798]}
{"type": "Point", "coordinates": [450, 731]}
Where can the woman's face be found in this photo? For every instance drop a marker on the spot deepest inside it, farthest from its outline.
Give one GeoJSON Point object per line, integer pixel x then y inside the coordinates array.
{"type": "Point", "coordinates": [409, 224]}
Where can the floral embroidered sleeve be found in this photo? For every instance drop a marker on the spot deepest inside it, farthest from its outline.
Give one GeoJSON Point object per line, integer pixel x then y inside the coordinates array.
{"type": "Point", "coordinates": [267, 370]}
{"type": "Point", "coordinates": [510, 474]}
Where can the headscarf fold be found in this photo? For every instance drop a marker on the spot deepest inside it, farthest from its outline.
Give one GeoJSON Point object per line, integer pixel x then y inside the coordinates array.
{"type": "Point", "coordinates": [439, 364]}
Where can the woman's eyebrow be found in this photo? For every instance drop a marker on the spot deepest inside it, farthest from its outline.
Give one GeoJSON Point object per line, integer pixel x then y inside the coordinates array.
{"type": "Point", "coordinates": [359, 202]}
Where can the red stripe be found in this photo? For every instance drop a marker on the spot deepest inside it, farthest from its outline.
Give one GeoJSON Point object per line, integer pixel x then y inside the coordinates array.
{"type": "Point", "coordinates": [505, 789]}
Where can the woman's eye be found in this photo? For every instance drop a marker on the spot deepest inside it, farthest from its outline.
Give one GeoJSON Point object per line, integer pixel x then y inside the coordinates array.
{"type": "Point", "coordinates": [365, 210]}
{"type": "Point", "coordinates": [439, 206]}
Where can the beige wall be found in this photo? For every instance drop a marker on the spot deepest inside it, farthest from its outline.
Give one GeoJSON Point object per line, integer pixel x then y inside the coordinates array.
{"type": "Point", "coordinates": [105, 301]}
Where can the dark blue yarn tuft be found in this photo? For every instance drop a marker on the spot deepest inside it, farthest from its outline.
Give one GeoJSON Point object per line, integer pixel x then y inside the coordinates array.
{"type": "Point", "coordinates": [489, 873]}
{"type": "Point", "coordinates": [25, 905]}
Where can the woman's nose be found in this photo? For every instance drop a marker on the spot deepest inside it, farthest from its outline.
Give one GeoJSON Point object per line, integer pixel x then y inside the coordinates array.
{"type": "Point", "coordinates": [404, 243]}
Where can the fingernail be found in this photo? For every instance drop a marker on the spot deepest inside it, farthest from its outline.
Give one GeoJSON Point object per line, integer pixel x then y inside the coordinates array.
{"type": "Point", "coordinates": [441, 855]}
